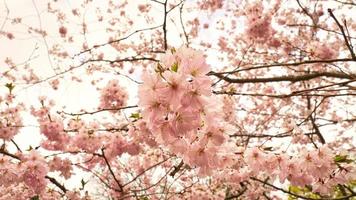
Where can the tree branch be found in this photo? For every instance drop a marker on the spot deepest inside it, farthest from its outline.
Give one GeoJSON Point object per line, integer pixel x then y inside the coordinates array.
{"type": "Point", "coordinates": [165, 26]}
{"type": "Point", "coordinates": [343, 34]}
{"type": "Point", "coordinates": [286, 65]}
{"type": "Point", "coordinates": [111, 171]}
{"type": "Point", "coordinates": [55, 182]}
{"type": "Point", "coordinates": [117, 40]}
{"type": "Point", "coordinates": [96, 111]}
{"type": "Point", "coordinates": [290, 78]}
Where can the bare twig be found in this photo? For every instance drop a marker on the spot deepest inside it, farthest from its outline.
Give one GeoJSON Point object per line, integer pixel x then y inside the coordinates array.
{"type": "Point", "coordinates": [286, 65]}
{"type": "Point", "coordinates": [165, 26]}
{"type": "Point", "coordinates": [343, 34]}
{"type": "Point", "coordinates": [290, 78]}
{"type": "Point", "coordinates": [111, 171]}
{"type": "Point", "coordinates": [117, 40]}
{"type": "Point", "coordinates": [97, 111]}
{"type": "Point", "coordinates": [182, 24]}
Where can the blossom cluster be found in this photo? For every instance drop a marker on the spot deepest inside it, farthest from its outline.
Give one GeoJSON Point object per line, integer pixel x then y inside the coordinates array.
{"type": "Point", "coordinates": [178, 107]}
{"type": "Point", "coordinates": [10, 122]}
{"type": "Point", "coordinates": [113, 96]}
{"type": "Point", "coordinates": [259, 24]}
{"type": "Point", "coordinates": [53, 128]}
{"type": "Point", "coordinates": [314, 168]}
{"type": "Point", "coordinates": [64, 166]}
{"type": "Point", "coordinates": [28, 174]}
{"type": "Point", "coordinates": [34, 169]}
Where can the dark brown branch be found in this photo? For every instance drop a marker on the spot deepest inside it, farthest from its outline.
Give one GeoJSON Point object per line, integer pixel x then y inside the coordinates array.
{"type": "Point", "coordinates": [311, 117]}
{"type": "Point", "coordinates": [317, 130]}
{"type": "Point", "coordinates": [177, 168]}
{"type": "Point", "coordinates": [4, 152]}
{"type": "Point", "coordinates": [131, 59]}
{"type": "Point", "coordinates": [345, 2]}
{"type": "Point", "coordinates": [175, 6]}
{"type": "Point", "coordinates": [181, 22]}
{"type": "Point", "coordinates": [290, 78]}
{"type": "Point", "coordinates": [55, 182]}
{"type": "Point", "coordinates": [343, 34]}
{"type": "Point", "coordinates": [305, 10]}
{"type": "Point", "coordinates": [240, 193]}
{"type": "Point", "coordinates": [165, 26]}
{"type": "Point", "coordinates": [286, 65]}
{"type": "Point", "coordinates": [16, 145]}
{"type": "Point", "coordinates": [157, 2]}
{"type": "Point", "coordinates": [111, 171]}
{"type": "Point", "coordinates": [282, 96]}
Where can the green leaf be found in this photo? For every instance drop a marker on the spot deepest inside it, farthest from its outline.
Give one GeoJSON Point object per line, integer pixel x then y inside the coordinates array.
{"type": "Point", "coordinates": [342, 159]}
{"type": "Point", "coordinates": [174, 67]}
{"type": "Point", "coordinates": [10, 86]}
{"type": "Point", "coordinates": [294, 189]}
{"type": "Point", "coordinates": [135, 115]}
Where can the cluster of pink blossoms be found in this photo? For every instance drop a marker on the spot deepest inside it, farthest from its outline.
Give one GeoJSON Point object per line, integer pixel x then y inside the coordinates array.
{"type": "Point", "coordinates": [113, 96]}
{"type": "Point", "coordinates": [35, 169]}
{"type": "Point", "coordinates": [259, 24]}
{"type": "Point", "coordinates": [180, 111]}
{"type": "Point", "coordinates": [10, 122]}
{"type": "Point", "coordinates": [64, 166]}
{"type": "Point", "coordinates": [52, 127]}
{"type": "Point", "coordinates": [26, 178]}
{"type": "Point", "coordinates": [29, 175]}
{"type": "Point", "coordinates": [315, 168]}
{"type": "Point", "coordinates": [212, 5]}
{"type": "Point", "coordinates": [327, 51]}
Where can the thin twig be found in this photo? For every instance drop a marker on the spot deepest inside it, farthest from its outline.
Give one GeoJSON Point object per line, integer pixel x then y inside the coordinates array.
{"type": "Point", "coordinates": [343, 34]}
{"type": "Point", "coordinates": [111, 171]}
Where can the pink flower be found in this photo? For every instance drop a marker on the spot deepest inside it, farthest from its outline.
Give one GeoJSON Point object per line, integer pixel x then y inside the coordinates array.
{"type": "Point", "coordinates": [174, 89]}
{"type": "Point", "coordinates": [197, 91]}
{"type": "Point", "coordinates": [184, 120]}
{"type": "Point", "coordinates": [195, 67]}
{"type": "Point", "coordinates": [51, 129]}
{"type": "Point", "coordinates": [254, 158]}
{"type": "Point", "coordinates": [214, 135]}
{"type": "Point", "coordinates": [201, 157]}
{"type": "Point", "coordinates": [113, 96]}
{"type": "Point", "coordinates": [154, 107]}
{"type": "Point", "coordinates": [34, 171]}
{"type": "Point", "coordinates": [151, 83]}
{"type": "Point", "coordinates": [326, 51]}
{"type": "Point", "coordinates": [10, 122]}
{"type": "Point", "coordinates": [62, 165]}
